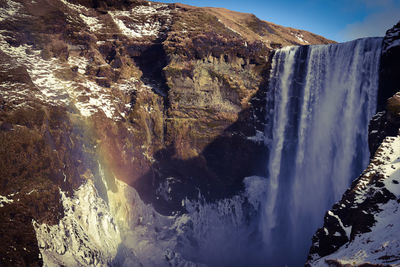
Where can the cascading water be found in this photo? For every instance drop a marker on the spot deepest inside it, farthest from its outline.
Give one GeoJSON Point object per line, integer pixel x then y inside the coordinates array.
{"type": "Point", "coordinates": [320, 101]}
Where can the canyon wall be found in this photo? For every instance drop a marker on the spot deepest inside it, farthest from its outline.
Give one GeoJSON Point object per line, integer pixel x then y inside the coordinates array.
{"type": "Point", "coordinates": [168, 99]}
{"type": "Point", "coordinates": [124, 123]}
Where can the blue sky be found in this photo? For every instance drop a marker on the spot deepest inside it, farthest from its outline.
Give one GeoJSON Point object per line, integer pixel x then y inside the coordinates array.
{"type": "Point", "coordinates": [339, 20]}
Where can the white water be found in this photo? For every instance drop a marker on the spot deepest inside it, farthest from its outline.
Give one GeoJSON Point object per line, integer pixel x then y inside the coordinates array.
{"type": "Point", "coordinates": [320, 101]}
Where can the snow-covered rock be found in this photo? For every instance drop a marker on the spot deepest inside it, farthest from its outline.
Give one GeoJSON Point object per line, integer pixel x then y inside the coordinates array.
{"type": "Point", "coordinates": [125, 231]}
{"type": "Point", "coordinates": [87, 235]}
{"type": "Point", "coordinates": [5, 200]}
{"type": "Point", "coordinates": [392, 39]}
{"type": "Point", "coordinates": [363, 227]}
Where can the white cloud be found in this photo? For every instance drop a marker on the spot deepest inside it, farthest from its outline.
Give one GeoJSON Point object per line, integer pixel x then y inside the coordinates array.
{"type": "Point", "coordinates": [386, 14]}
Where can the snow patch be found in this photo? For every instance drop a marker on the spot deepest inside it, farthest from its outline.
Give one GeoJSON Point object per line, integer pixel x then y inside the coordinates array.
{"type": "Point", "coordinates": [5, 200]}
{"type": "Point", "coordinates": [47, 75]}
{"type": "Point", "coordinates": [129, 85]}
{"type": "Point", "coordinates": [75, 7]}
{"type": "Point", "coordinates": [93, 23]}
{"type": "Point", "coordinates": [10, 10]}
{"type": "Point", "coordinates": [98, 98]}
{"type": "Point", "coordinates": [300, 37]}
{"type": "Point", "coordinates": [134, 30]}
{"type": "Point", "coordinates": [139, 22]}
{"type": "Point", "coordinates": [346, 229]}
{"type": "Point", "coordinates": [149, 238]}
{"type": "Point", "coordinates": [80, 62]}
{"type": "Point", "coordinates": [32, 191]}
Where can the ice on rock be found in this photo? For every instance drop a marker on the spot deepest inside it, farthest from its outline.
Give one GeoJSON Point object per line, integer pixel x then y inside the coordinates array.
{"type": "Point", "coordinates": [84, 93]}
{"type": "Point", "coordinates": [87, 235]}
{"type": "Point", "coordinates": [195, 238]}
{"type": "Point", "coordinates": [10, 10]}
{"type": "Point", "coordinates": [5, 200]}
{"type": "Point", "coordinates": [75, 7]}
{"type": "Point", "coordinates": [139, 22]}
{"type": "Point", "coordinates": [93, 23]}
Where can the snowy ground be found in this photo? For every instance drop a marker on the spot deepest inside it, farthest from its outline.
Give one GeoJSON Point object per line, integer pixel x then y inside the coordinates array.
{"type": "Point", "coordinates": [381, 245]}
{"type": "Point", "coordinates": [139, 22]}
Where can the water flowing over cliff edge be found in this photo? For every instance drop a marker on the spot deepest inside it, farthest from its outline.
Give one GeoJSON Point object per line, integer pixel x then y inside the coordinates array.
{"type": "Point", "coordinates": [361, 228]}
{"type": "Point", "coordinates": [135, 133]}
{"type": "Point", "coordinates": [320, 101]}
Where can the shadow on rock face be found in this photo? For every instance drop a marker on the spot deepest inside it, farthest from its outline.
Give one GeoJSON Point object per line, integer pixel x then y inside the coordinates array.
{"type": "Point", "coordinates": [389, 80]}
{"type": "Point", "coordinates": [151, 62]}
{"type": "Point", "coordinates": [217, 172]}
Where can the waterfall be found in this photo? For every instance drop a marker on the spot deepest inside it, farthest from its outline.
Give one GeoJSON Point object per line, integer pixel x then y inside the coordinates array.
{"type": "Point", "coordinates": [320, 101]}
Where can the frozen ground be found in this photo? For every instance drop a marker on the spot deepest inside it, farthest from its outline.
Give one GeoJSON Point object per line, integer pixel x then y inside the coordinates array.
{"type": "Point", "coordinates": [381, 245]}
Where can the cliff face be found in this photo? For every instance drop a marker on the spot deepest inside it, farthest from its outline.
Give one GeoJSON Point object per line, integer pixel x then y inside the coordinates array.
{"type": "Point", "coordinates": [389, 80]}
{"type": "Point", "coordinates": [166, 98]}
{"type": "Point", "coordinates": [386, 122]}
{"type": "Point", "coordinates": [362, 228]}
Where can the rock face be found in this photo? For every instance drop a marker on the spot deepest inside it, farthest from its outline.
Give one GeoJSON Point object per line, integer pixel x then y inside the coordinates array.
{"type": "Point", "coordinates": [389, 78]}
{"type": "Point", "coordinates": [386, 122]}
{"type": "Point", "coordinates": [168, 98]}
{"type": "Point", "coordinates": [362, 227]}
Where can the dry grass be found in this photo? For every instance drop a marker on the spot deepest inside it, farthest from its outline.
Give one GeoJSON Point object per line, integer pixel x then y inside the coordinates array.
{"type": "Point", "coordinates": [252, 29]}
